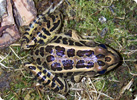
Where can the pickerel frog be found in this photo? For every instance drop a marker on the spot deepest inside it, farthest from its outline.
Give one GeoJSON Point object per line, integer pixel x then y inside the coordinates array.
{"type": "Point", "coordinates": [61, 56]}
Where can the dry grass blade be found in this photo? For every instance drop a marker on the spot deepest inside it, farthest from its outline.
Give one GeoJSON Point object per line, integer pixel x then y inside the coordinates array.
{"type": "Point", "coordinates": [14, 52]}
{"type": "Point", "coordinates": [2, 59]}
{"type": "Point", "coordinates": [126, 87]}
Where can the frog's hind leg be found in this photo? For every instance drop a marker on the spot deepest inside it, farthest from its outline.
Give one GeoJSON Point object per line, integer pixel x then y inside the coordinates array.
{"type": "Point", "coordinates": [46, 78]}
{"type": "Point", "coordinates": [41, 30]}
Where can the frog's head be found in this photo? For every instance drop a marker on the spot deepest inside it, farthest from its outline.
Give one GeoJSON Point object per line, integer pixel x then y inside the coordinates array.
{"type": "Point", "coordinates": [107, 59]}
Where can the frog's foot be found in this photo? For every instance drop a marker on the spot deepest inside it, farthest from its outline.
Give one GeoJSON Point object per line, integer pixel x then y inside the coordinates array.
{"type": "Point", "coordinates": [53, 7]}
{"type": "Point", "coordinates": [46, 78]}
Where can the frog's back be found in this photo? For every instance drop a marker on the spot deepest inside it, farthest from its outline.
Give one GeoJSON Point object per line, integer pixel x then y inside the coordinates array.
{"type": "Point", "coordinates": [68, 57]}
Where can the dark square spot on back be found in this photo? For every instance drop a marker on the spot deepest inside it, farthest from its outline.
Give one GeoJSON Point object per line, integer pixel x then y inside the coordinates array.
{"type": "Point", "coordinates": [54, 38]}
{"type": "Point", "coordinates": [71, 42]}
{"type": "Point", "coordinates": [42, 51]}
{"type": "Point", "coordinates": [78, 44]}
{"type": "Point", "coordinates": [44, 64]}
{"type": "Point", "coordinates": [80, 64]}
{"type": "Point", "coordinates": [71, 52]}
{"type": "Point", "coordinates": [90, 65]}
{"type": "Point", "coordinates": [68, 64]}
{"type": "Point", "coordinates": [49, 49]}
{"type": "Point", "coordinates": [37, 52]}
{"type": "Point", "coordinates": [80, 53]}
{"type": "Point", "coordinates": [58, 39]}
{"type": "Point", "coordinates": [41, 41]}
{"type": "Point", "coordinates": [83, 42]}
{"type": "Point", "coordinates": [40, 68]}
{"type": "Point", "coordinates": [88, 53]}
{"type": "Point", "coordinates": [56, 66]}
{"type": "Point", "coordinates": [65, 41]}
{"type": "Point", "coordinates": [60, 50]}
{"type": "Point", "coordinates": [50, 58]}
{"type": "Point", "coordinates": [38, 61]}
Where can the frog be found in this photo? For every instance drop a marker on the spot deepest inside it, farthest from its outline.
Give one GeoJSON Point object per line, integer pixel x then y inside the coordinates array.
{"type": "Point", "coordinates": [59, 56]}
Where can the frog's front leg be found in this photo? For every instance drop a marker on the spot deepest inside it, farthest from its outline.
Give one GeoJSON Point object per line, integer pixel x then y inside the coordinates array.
{"type": "Point", "coordinates": [46, 78]}
{"type": "Point", "coordinates": [73, 34]}
{"type": "Point", "coordinates": [76, 78]}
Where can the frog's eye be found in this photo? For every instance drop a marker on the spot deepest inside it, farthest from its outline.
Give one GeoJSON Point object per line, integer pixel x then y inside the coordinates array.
{"type": "Point", "coordinates": [102, 72]}
{"type": "Point", "coordinates": [103, 46]}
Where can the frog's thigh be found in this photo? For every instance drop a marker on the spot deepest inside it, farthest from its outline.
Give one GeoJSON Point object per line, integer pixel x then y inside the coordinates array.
{"type": "Point", "coordinates": [46, 78]}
